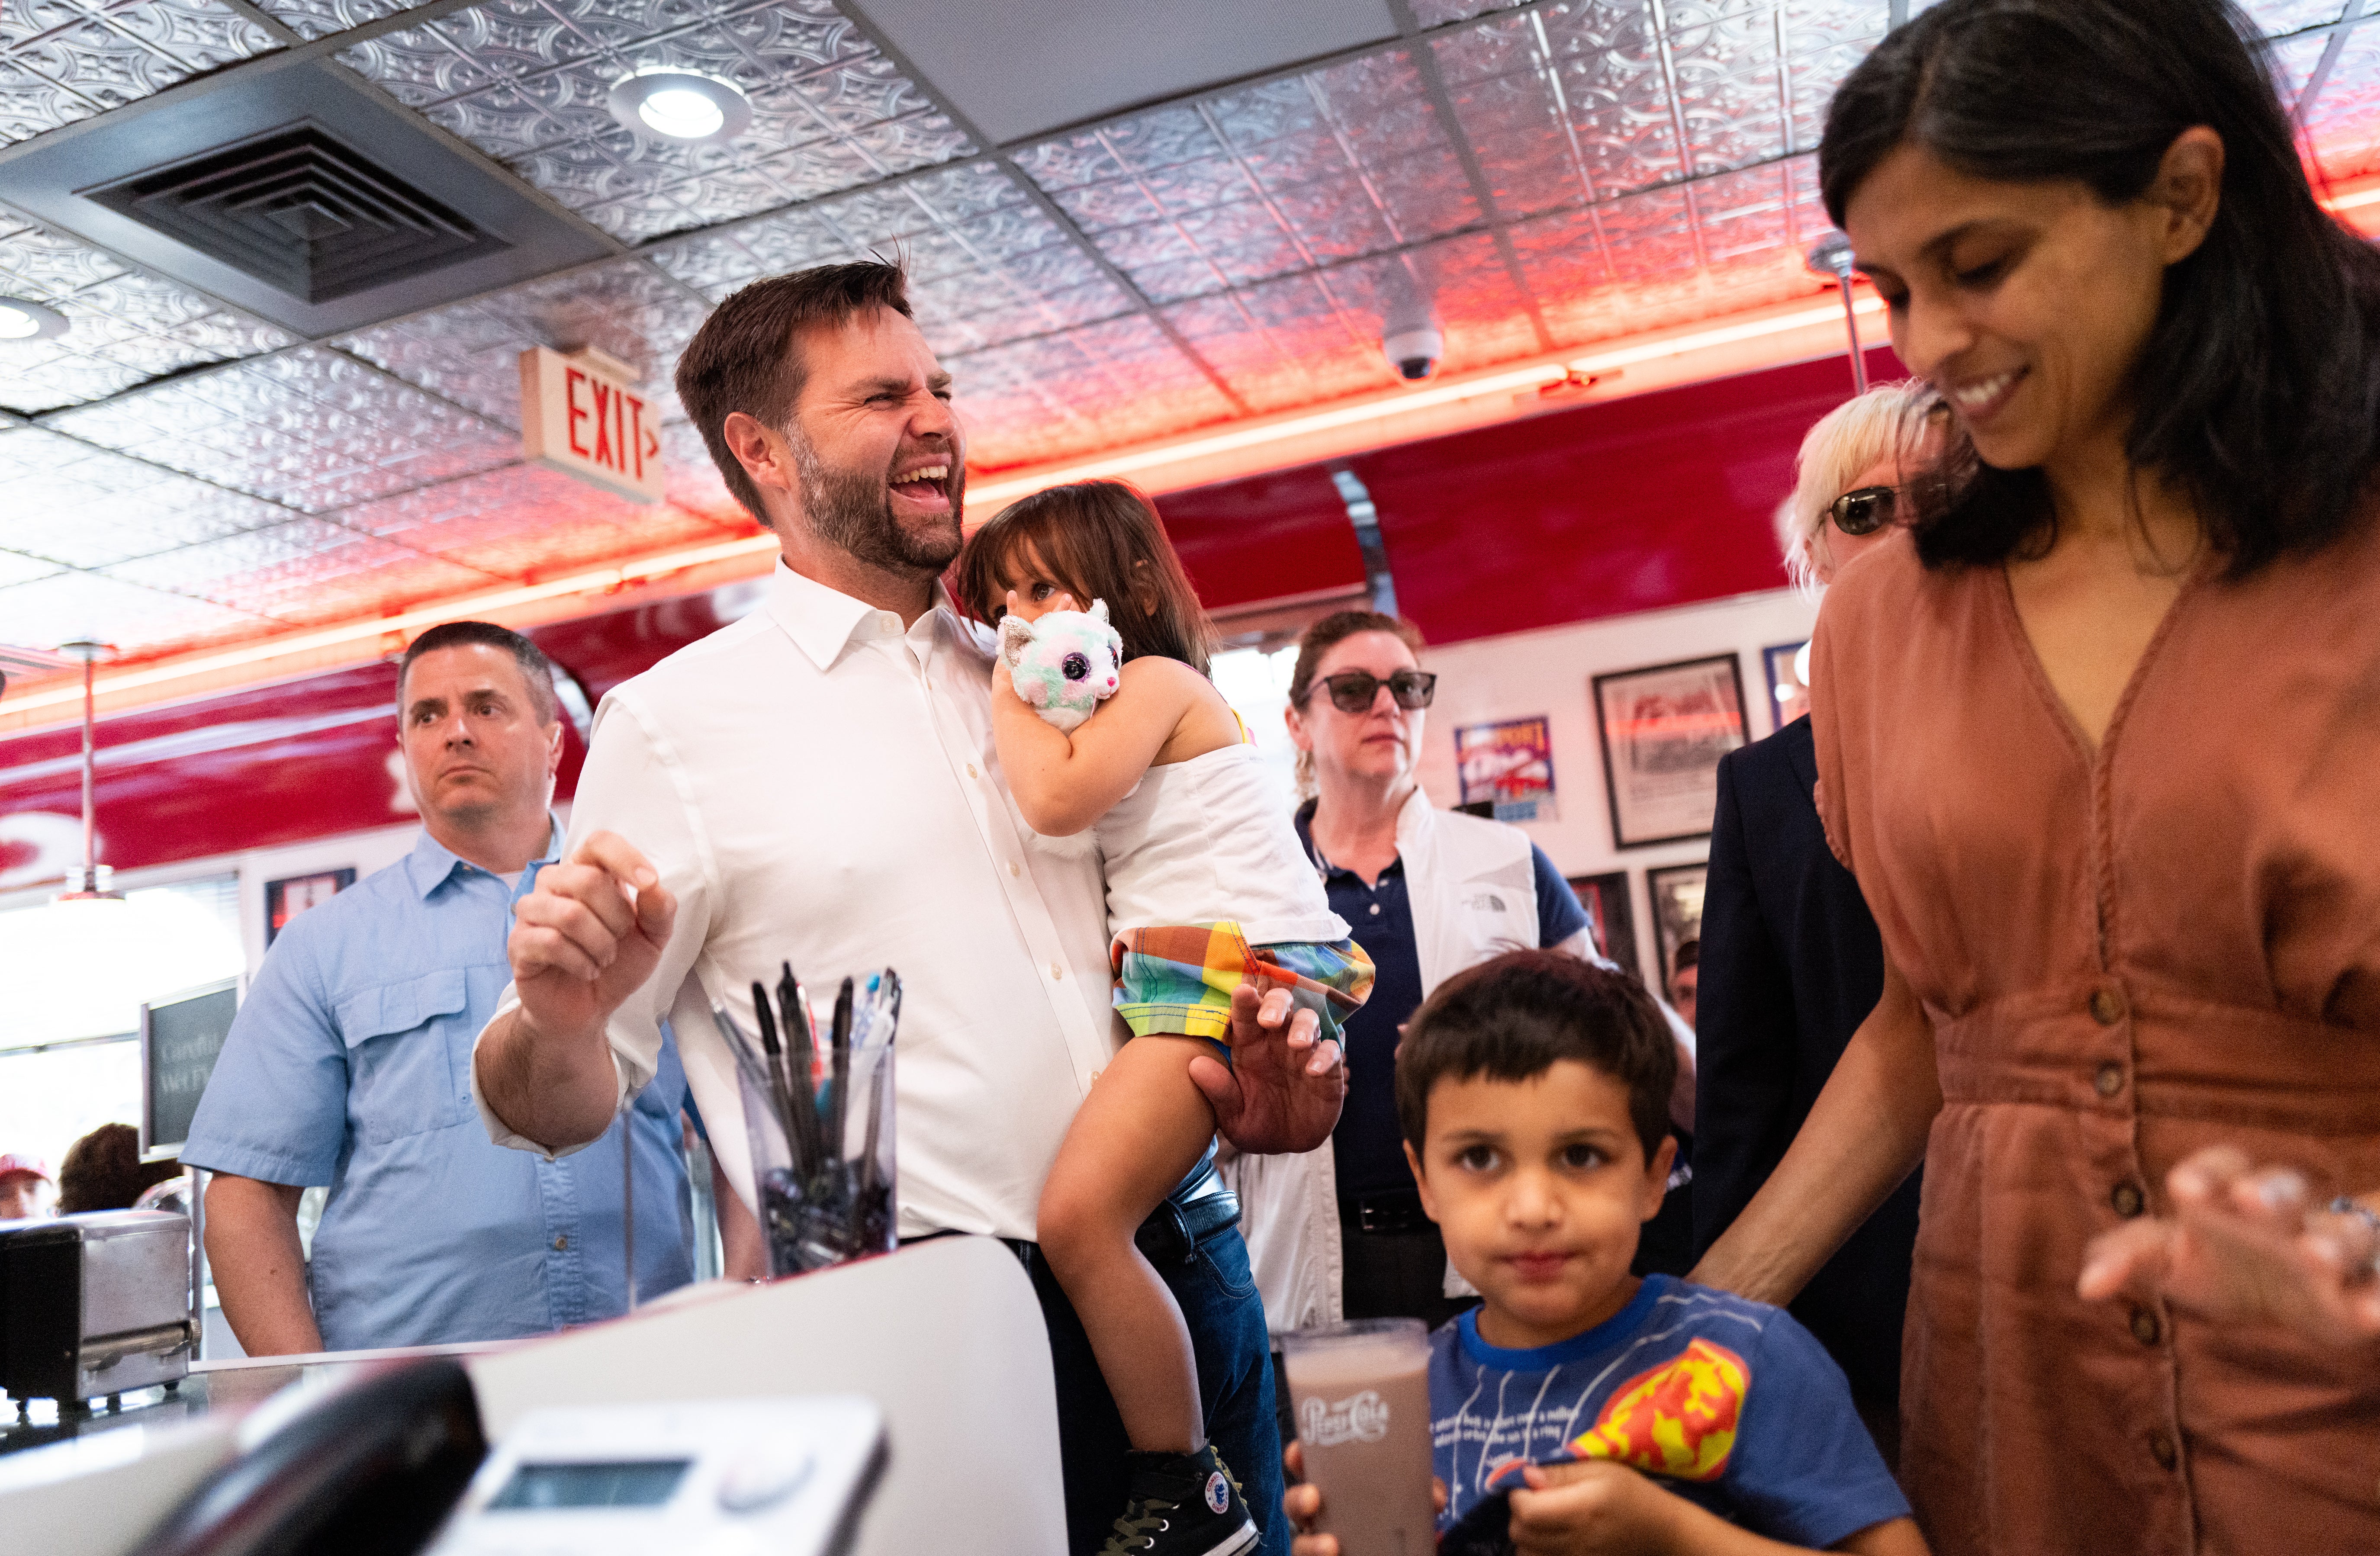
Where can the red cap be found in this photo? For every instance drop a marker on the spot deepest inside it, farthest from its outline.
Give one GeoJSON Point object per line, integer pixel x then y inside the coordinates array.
{"type": "Point", "coordinates": [15, 1161]}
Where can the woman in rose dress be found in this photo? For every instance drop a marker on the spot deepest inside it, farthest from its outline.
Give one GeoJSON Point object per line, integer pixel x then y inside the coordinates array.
{"type": "Point", "coordinates": [2100, 739]}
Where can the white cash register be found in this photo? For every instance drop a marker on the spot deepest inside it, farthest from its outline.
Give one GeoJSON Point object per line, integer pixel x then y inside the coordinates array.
{"type": "Point", "coordinates": [787, 1477]}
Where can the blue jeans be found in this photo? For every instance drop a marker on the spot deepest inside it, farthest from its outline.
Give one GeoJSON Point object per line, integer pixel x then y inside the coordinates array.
{"type": "Point", "coordinates": [1218, 1298]}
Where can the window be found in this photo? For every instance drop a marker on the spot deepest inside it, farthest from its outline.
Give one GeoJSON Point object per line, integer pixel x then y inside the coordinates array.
{"type": "Point", "coordinates": [75, 976]}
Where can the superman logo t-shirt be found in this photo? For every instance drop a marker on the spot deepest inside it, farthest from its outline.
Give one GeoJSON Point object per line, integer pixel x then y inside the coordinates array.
{"type": "Point", "coordinates": [1730, 1404]}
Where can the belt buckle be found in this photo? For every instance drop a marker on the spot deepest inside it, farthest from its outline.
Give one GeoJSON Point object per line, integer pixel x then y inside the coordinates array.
{"type": "Point", "coordinates": [1373, 1216]}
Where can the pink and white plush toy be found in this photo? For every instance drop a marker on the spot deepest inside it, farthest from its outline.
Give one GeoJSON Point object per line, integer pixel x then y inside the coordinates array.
{"type": "Point", "coordinates": [1064, 665]}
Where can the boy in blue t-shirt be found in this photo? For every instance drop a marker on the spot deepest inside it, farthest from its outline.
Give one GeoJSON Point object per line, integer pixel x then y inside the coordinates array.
{"type": "Point", "coordinates": [1580, 1409]}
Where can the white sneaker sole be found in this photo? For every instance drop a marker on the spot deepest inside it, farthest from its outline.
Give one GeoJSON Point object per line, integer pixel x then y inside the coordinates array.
{"type": "Point", "coordinates": [1243, 1538]}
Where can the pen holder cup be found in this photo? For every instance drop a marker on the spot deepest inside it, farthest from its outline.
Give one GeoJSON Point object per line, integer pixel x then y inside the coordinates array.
{"type": "Point", "coordinates": [844, 1208]}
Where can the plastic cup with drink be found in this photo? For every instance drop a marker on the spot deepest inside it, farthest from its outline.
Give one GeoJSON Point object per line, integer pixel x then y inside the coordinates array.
{"type": "Point", "coordinates": [1361, 1393]}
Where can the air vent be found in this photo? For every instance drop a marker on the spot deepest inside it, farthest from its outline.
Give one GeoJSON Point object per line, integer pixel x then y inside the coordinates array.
{"type": "Point", "coordinates": [301, 211]}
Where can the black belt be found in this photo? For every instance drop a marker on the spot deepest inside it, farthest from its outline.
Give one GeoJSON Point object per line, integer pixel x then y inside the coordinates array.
{"type": "Point", "coordinates": [1384, 1214]}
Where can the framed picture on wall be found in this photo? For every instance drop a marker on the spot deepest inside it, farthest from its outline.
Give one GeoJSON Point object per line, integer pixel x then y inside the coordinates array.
{"type": "Point", "coordinates": [1608, 913]}
{"type": "Point", "coordinates": [1664, 729]}
{"type": "Point", "coordinates": [287, 898]}
{"type": "Point", "coordinates": [1788, 681]}
{"type": "Point", "coordinates": [1676, 894]}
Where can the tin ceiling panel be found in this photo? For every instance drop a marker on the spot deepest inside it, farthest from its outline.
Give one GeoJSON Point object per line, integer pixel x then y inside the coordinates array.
{"type": "Point", "coordinates": [123, 327]}
{"type": "Point", "coordinates": [522, 520]}
{"type": "Point", "coordinates": [70, 607]}
{"type": "Point", "coordinates": [1243, 187]}
{"type": "Point", "coordinates": [65, 60]}
{"type": "Point", "coordinates": [470, 353]}
{"type": "Point", "coordinates": [1089, 388]}
{"type": "Point", "coordinates": [320, 18]}
{"type": "Point", "coordinates": [985, 266]}
{"type": "Point", "coordinates": [2343, 117]}
{"type": "Point", "coordinates": [527, 82]}
{"type": "Point", "coordinates": [81, 507]}
{"type": "Point", "coordinates": [310, 428]}
{"type": "Point", "coordinates": [298, 571]}
{"type": "Point", "coordinates": [2278, 17]}
{"type": "Point", "coordinates": [15, 568]}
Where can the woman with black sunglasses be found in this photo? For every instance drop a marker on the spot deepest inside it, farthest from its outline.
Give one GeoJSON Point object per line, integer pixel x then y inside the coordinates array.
{"type": "Point", "coordinates": [2100, 748]}
{"type": "Point", "coordinates": [1427, 893]}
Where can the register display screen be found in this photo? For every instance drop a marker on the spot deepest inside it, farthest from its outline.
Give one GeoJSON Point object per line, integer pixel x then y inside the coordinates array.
{"type": "Point", "coordinates": [647, 1483]}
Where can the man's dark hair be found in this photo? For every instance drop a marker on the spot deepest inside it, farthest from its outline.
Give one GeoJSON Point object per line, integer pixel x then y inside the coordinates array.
{"type": "Point", "coordinates": [747, 355]}
{"type": "Point", "coordinates": [535, 668]}
{"type": "Point", "coordinates": [1513, 1017]}
{"type": "Point", "coordinates": [1689, 953]}
{"type": "Point", "coordinates": [104, 1170]}
{"type": "Point", "coordinates": [2259, 386]}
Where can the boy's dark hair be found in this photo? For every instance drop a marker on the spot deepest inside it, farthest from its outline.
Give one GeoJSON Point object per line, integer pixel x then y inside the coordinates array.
{"type": "Point", "coordinates": [535, 668]}
{"type": "Point", "coordinates": [1513, 1017]}
{"type": "Point", "coordinates": [1101, 540]}
{"type": "Point", "coordinates": [746, 357]}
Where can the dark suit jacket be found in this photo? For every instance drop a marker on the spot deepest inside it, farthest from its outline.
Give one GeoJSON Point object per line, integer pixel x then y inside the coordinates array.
{"type": "Point", "coordinates": [1791, 966]}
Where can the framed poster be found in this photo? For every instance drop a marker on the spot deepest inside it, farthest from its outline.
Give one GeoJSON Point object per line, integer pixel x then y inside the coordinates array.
{"type": "Point", "coordinates": [1676, 894]}
{"type": "Point", "coordinates": [1605, 897]}
{"type": "Point", "coordinates": [1664, 729]}
{"type": "Point", "coordinates": [1509, 766]}
{"type": "Point", "coordinates": [1789, 680]}
{"type": "Point", "coordinates": [287, 898]}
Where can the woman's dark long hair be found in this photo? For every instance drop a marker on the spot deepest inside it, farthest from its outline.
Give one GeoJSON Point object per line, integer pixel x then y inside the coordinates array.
{"type": "Point", "coordinates": [2259, 387]}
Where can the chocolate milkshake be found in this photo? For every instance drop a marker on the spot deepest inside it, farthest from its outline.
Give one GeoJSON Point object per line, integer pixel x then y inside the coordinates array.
{"type": "Point", "coordinates": [1361, 1391]}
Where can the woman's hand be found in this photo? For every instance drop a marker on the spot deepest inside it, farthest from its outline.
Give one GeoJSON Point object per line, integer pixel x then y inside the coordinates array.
{"type": "Point", "coordinates": [2244, 1247]}
{"type": "Point", "coordinates": [1303, 1504]}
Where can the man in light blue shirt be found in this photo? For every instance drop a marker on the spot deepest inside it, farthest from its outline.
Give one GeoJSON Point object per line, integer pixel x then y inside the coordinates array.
{"type": "Point", "coordinates": [349, 1064]}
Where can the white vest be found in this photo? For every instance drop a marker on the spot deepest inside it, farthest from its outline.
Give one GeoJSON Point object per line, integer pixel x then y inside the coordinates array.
{"type": "Point", "coordinates": [1473, 888]}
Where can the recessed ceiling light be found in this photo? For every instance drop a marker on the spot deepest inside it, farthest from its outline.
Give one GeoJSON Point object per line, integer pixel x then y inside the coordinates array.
{"type": "Point", "coordinates": [683, 105]}
{"type": "Point", "coordinates": [23, 320]}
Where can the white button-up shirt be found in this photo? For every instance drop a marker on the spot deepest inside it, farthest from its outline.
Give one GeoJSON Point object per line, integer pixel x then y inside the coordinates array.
{"type": "Point", "coordinates": [819, 785]}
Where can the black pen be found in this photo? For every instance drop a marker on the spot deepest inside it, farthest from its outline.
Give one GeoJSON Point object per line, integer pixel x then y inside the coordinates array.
{"type": "Point", "coordinates": [839, 1109]}
{"type": "Point", "coordinates": [777, 1092]}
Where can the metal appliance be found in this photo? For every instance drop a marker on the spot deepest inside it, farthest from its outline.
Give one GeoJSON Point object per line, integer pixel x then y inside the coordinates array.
{"type": "Point", "coordinates": [95, 1304]}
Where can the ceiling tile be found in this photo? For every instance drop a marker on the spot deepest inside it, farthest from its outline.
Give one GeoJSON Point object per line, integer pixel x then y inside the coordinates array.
{"type": "Point", "coordinates": [123, 327]}
{"type": "Point", "coordinates": [527, 82]}
{"type": "Point", "coordinates": [985, 266]}
{"type": "Point", "coordinates": [320, 18]}
{"type": "Point", "coordinates": [2344, 121]}
{"type": "Point", "coordinates": [522, 521]}
{"type": "Point", "coordinates": [71, 607]}
{"type": "Point", "coordinates": [470, 352]}
{"type": "Point", "coordinates": [86, 507]}
{"type": "Point", "coordinates": [2278, 17]}
{"type": "Point", "coordinates": [65, 60]}
{"type": "Point", "coordinates": [310, 429]}
{"type": "Point", "coordinates": [304, 572]}
{"type": "Point", "coordinates": [1089, 388]}
{"type": "Point", "coordinates": [15, 568]}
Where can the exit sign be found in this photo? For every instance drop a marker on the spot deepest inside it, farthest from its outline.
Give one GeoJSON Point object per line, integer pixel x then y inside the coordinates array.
{"type": "Point", "coordinates": [582, 415]}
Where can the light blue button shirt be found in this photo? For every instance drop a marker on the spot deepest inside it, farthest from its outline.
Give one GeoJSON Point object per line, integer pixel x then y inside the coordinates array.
{"type": "Point", "coordinates": [349, 1064]}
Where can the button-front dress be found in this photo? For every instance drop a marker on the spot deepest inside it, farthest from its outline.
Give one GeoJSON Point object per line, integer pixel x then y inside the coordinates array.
{"type": "Point", "coordinates": [2127, 953]}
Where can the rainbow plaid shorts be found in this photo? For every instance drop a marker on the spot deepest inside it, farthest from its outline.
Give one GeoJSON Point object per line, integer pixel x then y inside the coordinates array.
{"type": "Point", "coordinates": [1179, 978]}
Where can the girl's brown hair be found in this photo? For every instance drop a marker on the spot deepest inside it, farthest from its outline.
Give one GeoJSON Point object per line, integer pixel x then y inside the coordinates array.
{"type": "Point", "coordinates": [1098, 540]}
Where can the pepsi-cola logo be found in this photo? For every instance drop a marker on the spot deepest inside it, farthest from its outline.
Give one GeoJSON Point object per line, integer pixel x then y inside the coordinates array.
{"type": "Point", "coordinates": [1357, 1418]}
{"type": "Point", "coordinates": [1219, 1495]}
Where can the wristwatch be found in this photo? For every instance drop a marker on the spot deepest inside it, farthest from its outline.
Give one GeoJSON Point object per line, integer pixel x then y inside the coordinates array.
{"type": "Point", "coordinates": [2345, 1206]}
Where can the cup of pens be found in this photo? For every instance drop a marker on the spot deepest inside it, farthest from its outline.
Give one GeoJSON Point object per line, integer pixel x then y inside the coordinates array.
{"type": "Point", "coordinates": [818, 1110]}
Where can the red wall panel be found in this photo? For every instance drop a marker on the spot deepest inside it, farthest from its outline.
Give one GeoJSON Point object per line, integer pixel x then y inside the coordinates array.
{"type": "Point", "coordinates": [1661, 499]}
{"type": "Point", "coordinates": [1263, 538]}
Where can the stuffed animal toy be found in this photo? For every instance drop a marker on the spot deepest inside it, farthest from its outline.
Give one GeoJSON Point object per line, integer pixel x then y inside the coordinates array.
{"type": "Point", "coordinates": [1064, 665]}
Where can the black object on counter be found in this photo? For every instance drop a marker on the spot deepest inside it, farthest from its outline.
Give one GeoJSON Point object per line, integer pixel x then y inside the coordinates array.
{"type": "Point", "coordinates": [370, 1468]}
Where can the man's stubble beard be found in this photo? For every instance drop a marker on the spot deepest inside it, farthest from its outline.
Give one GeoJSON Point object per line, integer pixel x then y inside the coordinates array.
{"type": "Point", "coordinates": [853, 510]}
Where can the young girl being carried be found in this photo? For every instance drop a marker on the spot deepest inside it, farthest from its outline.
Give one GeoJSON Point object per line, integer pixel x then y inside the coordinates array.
{"type": "Point", "coordinates": [1206, 889]}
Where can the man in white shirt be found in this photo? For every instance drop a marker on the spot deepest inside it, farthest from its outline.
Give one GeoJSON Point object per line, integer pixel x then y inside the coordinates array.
{"type": "Point", "coordinates": [818, 783]}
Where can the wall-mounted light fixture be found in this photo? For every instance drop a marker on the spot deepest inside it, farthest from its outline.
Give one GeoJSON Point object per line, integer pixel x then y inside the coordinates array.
{"type": "Point", "coordinates": [23, 318]}
{"type": "Point", "coordinates": [668, 104]}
